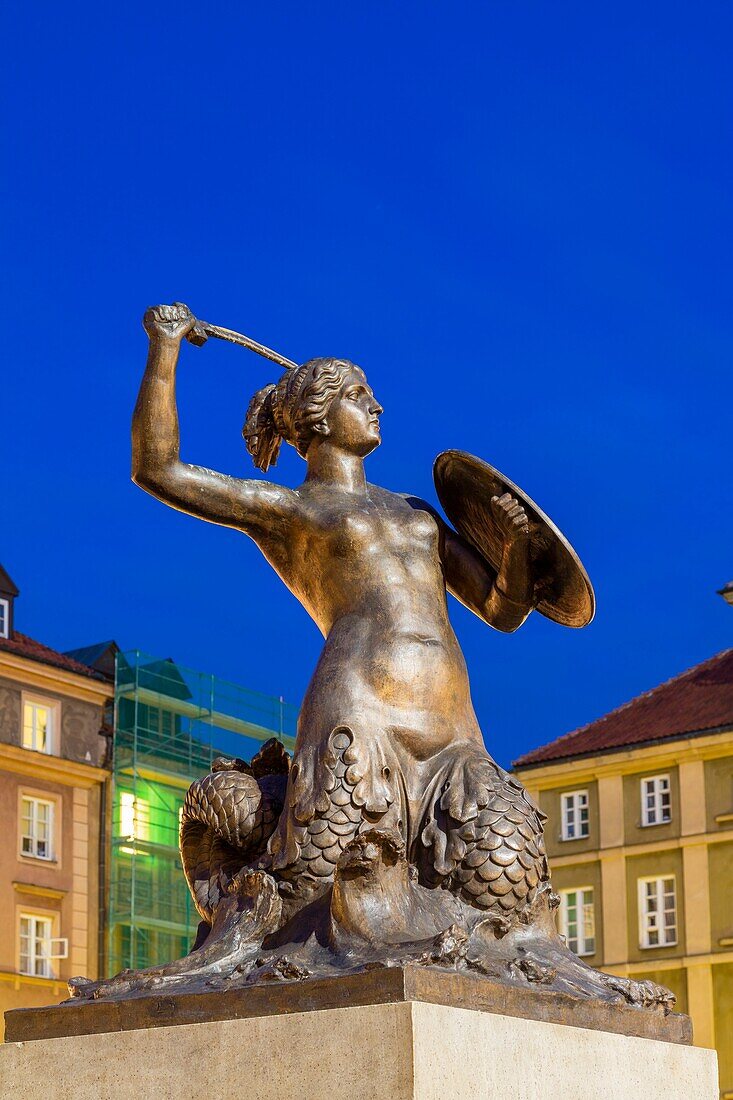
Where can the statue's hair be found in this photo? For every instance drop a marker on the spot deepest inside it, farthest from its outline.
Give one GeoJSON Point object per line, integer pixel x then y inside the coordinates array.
{"type": "Point", "coordinates": [289, 409]}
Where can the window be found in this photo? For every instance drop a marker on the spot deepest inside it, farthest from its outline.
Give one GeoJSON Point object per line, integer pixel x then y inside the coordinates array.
{"type": "Point", "coordinates": [577, 920]}
{"type": "Point", "coordinates": [157, 721]}
{"type": "Point", "coordinates": [38, 948]}
{"type": "Point", "coordinates": [657, 912]}
{"type": "Point", "coordinates": [4, 618]}
{"type": "Point", "coordinates": [575, 820]}
{"type": "Point", "coordinates": [36, 828]}
{"type": "Point", "coordinates": [39, 724]}
{"type": "Point", "coordinates": [127, 814]}
{"type": "Point", "coordinates": [656, 800]}
{"type": "Point", "coordinates": [134, 818]}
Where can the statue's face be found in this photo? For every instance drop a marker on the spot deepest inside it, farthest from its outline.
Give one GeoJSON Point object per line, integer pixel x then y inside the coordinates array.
{"type": "Point", "coordinates": [352, 419]}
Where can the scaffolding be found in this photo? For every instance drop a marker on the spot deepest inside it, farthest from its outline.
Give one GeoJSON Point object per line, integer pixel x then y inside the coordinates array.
{"type": "Point", "coordinates": [170, 724]}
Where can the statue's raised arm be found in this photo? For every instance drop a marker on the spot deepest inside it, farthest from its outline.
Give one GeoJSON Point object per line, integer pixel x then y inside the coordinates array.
{"type": "Point", "coordinates": [257, 507]}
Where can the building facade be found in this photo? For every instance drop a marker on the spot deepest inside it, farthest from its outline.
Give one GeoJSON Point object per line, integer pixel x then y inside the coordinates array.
{"type": "Point", "coordinates": [53, 781]}
{"type": "Point", "coordinates": [640, 840]}
{"type": "Point", "coordinates": [97, 751]}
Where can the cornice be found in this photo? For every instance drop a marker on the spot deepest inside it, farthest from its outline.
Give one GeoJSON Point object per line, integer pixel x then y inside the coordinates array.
{"type": "Point", "coordinates": [36, 674]}
{"type": "Point", "coordinates": [626, 761]}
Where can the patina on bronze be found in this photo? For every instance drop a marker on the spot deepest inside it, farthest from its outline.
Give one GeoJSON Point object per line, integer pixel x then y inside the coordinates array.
{"type": "Point", "coordinates": [391, 838]}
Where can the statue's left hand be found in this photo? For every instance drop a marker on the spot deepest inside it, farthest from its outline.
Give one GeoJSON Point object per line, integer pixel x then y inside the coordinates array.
{"type": "Point", "coordinates": [511, 518]}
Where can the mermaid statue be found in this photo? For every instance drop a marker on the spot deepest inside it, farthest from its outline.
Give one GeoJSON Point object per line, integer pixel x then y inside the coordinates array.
{"type": "Point", "coordinates": [391, 836]}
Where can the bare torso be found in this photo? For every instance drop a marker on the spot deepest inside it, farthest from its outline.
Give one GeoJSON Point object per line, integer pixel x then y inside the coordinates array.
{"type": "Point", "coordinates": [367, 567]}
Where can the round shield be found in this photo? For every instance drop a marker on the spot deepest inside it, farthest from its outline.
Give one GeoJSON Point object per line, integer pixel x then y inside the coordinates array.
{"type": "Point", "coordinates": [465, 485]}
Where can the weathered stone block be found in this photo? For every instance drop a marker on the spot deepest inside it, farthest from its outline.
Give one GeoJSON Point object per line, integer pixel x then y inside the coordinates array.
{"type": "Point", "coordinates": [401, 1051]}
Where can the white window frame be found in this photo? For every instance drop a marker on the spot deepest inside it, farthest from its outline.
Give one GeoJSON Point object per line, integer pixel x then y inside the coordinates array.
{"type": "Point", "coordinates": [649, 922]}
{"type": "Point", "coordinates": [570, 800]}
{"type": "Point", "coordinates": [52, 732]}
{"type": "Point", "coordinates": [33, 836]}
{"type": "Point", "coordinates": [5, 624]}
{"type": "Point", "coordinates": [584, 942]}
{"type": "Point", "coordinates": [39, 963]}
{"type": "Point", "coordinates": [654, 814]}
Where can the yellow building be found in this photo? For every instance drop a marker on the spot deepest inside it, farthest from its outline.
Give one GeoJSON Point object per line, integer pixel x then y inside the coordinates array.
{"type": "Point", "coordinates": [640, 840]}
{"type": "Point", "coordinates": [52, 779]}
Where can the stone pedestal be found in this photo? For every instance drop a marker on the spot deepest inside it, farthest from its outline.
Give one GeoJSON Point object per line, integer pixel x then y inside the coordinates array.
{"type": "Point", "coordinates": [408, 1050]}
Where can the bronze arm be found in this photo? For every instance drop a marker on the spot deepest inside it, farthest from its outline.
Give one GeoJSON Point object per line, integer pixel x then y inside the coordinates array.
{"type": "Point", "coordinates": [256, 507]}
{"type": "Point", "coordinates": [503, 601]}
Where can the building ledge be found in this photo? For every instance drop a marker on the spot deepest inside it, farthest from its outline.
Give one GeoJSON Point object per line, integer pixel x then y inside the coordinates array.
{"type": "Point", "coordinates": [39, 891]}
{"type": "Point", "coordinates": [58, 985]}
{"type": "Point", "coordinates": [640, 848]}
{"type": "Point", "coordinates": [669, 962]}
{"type": "Point", "coordinates": [57, 769]}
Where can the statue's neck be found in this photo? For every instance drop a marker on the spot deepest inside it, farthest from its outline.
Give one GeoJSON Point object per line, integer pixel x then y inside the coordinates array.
{"type": "Point", "coordinates": [330, 464]}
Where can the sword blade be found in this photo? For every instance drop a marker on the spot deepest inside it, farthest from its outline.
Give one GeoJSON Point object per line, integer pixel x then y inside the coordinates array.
{"type": "Point", "coordinates": [244, 342]}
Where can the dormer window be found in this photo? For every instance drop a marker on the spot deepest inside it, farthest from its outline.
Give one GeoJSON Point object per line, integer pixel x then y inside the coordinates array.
{"type": "Point", "coordinates": [8, 592]}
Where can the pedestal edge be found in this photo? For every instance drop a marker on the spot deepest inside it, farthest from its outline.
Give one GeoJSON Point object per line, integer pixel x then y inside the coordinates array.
{"type": "Point", "coordinates": [380, 986]}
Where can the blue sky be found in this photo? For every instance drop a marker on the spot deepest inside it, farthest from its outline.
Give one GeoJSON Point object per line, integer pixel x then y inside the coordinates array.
{"type": "Point", "coordinates": [516, 218]}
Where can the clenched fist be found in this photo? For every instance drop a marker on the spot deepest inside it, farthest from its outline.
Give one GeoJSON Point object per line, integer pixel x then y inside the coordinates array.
{"type": "Point", "coordinates": [168, 323]}
{"type": "Point", "coordinates": [511, 518]}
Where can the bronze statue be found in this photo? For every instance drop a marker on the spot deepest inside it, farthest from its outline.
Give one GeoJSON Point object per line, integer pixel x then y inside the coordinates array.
{"type": "Point", "coordinates": [391, 835]}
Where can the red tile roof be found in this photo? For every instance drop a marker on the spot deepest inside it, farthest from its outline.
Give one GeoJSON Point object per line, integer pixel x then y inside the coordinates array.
{"type": "Point", "coordinates": [23, 646]}
{"type": "Point", "coordinates": [695, 701]}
